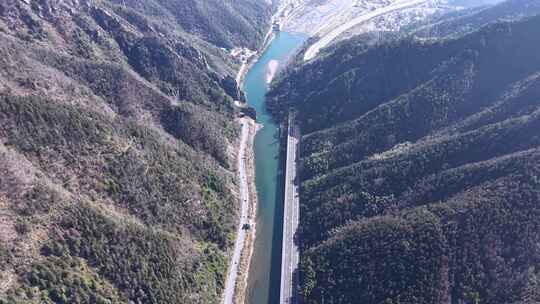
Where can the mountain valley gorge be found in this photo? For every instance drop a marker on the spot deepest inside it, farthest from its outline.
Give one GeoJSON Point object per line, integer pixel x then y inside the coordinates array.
{"type": "Point", "coordinates": [418, 159]}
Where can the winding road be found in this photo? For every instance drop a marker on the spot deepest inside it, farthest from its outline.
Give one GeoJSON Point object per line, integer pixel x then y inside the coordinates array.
{"type": "Point", "coordinates": [324, 41]}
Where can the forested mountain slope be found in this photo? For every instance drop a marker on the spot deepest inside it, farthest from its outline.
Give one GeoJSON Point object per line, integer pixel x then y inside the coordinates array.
{"type": "Point", "coordinates": [224, 23]}
{"type": "Point", "coordinates": [445, 24]}
{"type": "Point", "coordinates": [467, 20]}
{"type": "Point", "coordinates": [116, 148]}
{"type": "Point", "coordinates": [420, 169]}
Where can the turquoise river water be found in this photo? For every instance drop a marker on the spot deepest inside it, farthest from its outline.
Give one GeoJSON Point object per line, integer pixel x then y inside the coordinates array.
{"type": "Point", "coordinates": [264, 275]}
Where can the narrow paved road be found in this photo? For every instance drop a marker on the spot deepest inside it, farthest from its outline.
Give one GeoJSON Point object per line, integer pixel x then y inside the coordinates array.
{"type": "Point", "coordinates": [230, 284]}
{"type": "Point", "coordinates": [290, 255]}
{"type": "Point", "coordinates": [314, 49]}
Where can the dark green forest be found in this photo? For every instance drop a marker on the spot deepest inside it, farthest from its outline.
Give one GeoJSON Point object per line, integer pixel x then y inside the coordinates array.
{"type": "Point", "coordinates": [419, 166]}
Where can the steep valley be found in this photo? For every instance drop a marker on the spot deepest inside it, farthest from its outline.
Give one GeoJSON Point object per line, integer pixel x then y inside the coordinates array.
{"type": "Point", "coordinates": [121, 131]}
{"type": "Point", "coordinates": [117, 138]}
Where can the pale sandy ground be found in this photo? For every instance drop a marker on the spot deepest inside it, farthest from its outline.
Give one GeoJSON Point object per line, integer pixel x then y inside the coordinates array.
{"type": "Point", "coordinates": [312, 19]}
{"type": "Point", "coordinates": [327, 38]}
{"type": "Point", "coordinates": [271, 70]}
{"type": "Point", "coordinates": [328, 20]}
{"type": "Point", "coordinates": [397, 19]}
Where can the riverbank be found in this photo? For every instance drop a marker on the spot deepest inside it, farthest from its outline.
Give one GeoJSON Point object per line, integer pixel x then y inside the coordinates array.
{"type": "Point", "coordinates": [246, 66]}
{"type": "Point", "coordinates": [239, 264]}
{"type": "Point", "coordinates": [270, 35]}
{"type": "Point", "coordinates": [265, 266]}
{"type": "Point", "coordinates": [247, 252]}
{"type": "Point", "coordinates": [237, 282]}
{"type": "Point", "coordinates": [238, 272]}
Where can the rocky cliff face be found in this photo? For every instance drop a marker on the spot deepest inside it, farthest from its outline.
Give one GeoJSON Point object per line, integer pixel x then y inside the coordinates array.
{"type": "Point", "coordinates": [116, 124]}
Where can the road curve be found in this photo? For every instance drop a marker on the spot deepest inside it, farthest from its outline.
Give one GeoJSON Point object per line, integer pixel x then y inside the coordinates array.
{"type": "Point", "coordinates": [291, 214]}
{"type": "Point", "coordinates": [314, 49]}
{"type": "Point", "coordinates": [232, 273]}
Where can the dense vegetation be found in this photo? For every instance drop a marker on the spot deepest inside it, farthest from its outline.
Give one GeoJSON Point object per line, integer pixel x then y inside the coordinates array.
{"type": "Point", "coordinates": [225, 23]}
{"type": "Point", "coordinates": [468, 20]}
{"type": "Point", "coordinates": [419, 166]}
{"type": "Point", "coordinates": [116, 135]}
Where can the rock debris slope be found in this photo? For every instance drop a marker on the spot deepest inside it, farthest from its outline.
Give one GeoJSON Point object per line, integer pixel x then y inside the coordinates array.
{"type": "Point", "coordinates": [117, 181]}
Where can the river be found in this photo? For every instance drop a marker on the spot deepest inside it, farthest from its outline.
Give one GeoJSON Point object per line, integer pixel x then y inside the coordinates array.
{"type": "Point", "coordinates": [264, 280]}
